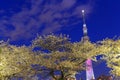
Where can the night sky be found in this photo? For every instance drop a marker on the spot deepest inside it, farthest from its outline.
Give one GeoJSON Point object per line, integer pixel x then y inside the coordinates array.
{"type": "Point", "coordinates": [21, 20]}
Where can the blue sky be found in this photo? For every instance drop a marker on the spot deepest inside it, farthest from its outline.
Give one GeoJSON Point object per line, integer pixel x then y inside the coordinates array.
{"type": "Point", "coordinates": [21, 20]}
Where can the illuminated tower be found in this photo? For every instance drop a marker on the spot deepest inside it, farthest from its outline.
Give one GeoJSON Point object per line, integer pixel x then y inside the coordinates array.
{"type": "Point", "coordinates": [85, 38]}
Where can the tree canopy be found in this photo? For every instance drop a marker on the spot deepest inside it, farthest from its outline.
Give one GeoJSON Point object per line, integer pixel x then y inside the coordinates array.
{"type": "Point", "coordinates": [14, 60]}
{"type": "Point", "coordinates": [49, 54]}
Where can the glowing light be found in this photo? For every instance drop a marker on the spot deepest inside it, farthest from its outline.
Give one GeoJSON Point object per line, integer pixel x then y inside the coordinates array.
{"type": "Point", "coordinates": [83, 11]}
{"type": "Point", "coordinates": [84, 25]}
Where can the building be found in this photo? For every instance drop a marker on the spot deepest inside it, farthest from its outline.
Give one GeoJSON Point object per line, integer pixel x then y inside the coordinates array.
{"type": "Point", "coordinates": [85, 38]}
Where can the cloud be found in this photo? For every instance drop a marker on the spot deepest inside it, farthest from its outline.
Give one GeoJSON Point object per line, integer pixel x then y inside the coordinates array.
{"type": "Point", "coordinates": [66, 4]}
{"type": "Point", "coordinates": [43, 16]}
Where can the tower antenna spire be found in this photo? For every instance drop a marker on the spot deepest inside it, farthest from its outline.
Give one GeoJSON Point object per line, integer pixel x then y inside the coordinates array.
{"type": "Point", "coordinates": [85, 32]}
{"type": "Point", "coordinates": [83, 15]}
